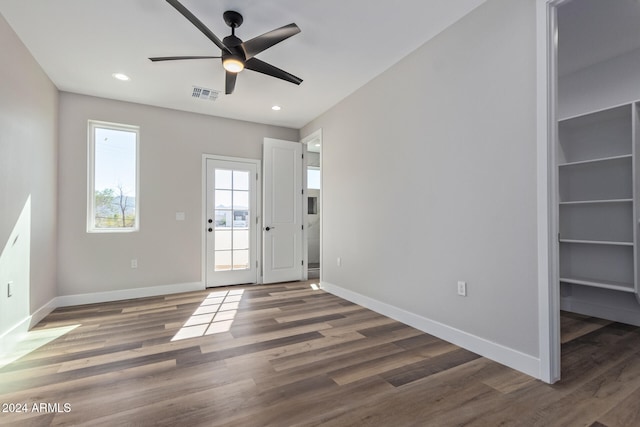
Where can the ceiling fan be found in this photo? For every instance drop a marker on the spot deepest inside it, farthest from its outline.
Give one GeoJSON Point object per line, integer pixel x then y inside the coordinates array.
{"type": "Point", "coordinates": [237, 55]}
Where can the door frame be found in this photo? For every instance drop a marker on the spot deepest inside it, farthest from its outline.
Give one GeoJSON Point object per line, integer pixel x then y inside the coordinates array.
{"type": "Point", "coordinates": [314, 136]}
{"type": "Point", "coordinates": [547, 230]}
{"type": "Point", "coordinates": [203, 220]}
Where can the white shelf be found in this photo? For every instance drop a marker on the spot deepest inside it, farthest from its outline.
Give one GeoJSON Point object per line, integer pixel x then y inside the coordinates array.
{"type": "Point", "coordinates": [601, 180]}
{"type": "Point", "coordinates": [590, 202]}
{"type": "Point", "coordinates": [596, 242]}
{"type": "Point", "coordinates": [597, 114]}
{"type": "Point", "coordinates": [596, 192]}
{"type": "Point", "coordinates": [601, 159]}
{"type": "Point", "coordinates": [598, 135]}
{"type": "Point", "coordinates": [616, 286]}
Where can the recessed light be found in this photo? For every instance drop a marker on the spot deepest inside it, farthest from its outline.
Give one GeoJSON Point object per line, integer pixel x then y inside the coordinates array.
{"type": "Point", "coordinates": [121, 76]}
{"type": "Point", "coordinates": [276, 108]}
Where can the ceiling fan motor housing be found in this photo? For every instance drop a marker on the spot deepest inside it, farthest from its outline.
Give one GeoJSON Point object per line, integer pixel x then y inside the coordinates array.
{"type": "Point", "coordinates": [233, 43]}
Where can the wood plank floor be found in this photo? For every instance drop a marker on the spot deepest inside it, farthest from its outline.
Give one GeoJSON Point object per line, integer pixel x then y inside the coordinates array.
{"type": "Point", "coordinates": [285, 355]}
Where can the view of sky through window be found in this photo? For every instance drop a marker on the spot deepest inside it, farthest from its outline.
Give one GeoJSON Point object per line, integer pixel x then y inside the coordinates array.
{"type": "Point", "coordinates": [115, 160]}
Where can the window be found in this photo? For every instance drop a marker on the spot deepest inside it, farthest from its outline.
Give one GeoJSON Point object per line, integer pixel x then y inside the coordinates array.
{"type": "Point", "coordinates": [313, 178]}
{"type": "Point", "coordinates": [113, 178]}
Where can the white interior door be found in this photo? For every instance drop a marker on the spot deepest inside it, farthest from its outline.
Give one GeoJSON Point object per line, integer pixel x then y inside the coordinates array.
{"type": "Point", "coordinates": [231, 242]}
{"type": "Point", "coordinates": [282, 211]}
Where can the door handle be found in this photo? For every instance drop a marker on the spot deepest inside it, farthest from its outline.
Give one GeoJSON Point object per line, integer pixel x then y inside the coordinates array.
{"type": "Point", "coordinates": [268, 228]}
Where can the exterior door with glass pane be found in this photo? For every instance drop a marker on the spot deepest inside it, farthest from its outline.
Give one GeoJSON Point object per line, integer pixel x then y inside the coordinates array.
{"type": "Point", "coordinates": [231, 242]}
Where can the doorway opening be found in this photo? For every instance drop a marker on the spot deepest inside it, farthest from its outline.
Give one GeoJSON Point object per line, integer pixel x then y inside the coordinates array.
{"type": "Point", "coordinates": [313, 205]}
{"type": "Point", "coordinates": [594, 120]}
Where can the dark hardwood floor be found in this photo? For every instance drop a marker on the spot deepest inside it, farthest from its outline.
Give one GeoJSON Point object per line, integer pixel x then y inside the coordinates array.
{"type": "Point", "coordinates": [284, 355]}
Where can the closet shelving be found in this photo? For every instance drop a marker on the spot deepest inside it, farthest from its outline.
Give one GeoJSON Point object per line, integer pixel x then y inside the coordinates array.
{"type": "Point", "coordinates": [596, 174]}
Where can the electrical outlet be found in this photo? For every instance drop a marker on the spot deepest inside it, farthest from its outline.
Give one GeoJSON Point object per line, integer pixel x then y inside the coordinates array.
{"type": "Point", "coordinates": [9, 289]}
{"type": "Point", "coordinates": [134, 263]}
{"type": "Point", "coordinates": [462, 288]}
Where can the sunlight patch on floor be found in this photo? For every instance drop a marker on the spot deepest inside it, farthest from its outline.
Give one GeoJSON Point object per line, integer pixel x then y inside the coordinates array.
{"type": "Point", "coordinates": [214, 316]}
{"type": "Point", "coordinates": [33, 340]}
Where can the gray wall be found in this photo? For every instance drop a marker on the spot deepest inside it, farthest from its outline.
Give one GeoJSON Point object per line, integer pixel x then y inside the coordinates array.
{"type": "Point", "coordinates": [600, 86]}
{"type": "Point", "coordinates": [429, 175]}
{"type": "Point", "coordinates": [171, 148]}
{"type": "Point", "coordinates": [28, 171]}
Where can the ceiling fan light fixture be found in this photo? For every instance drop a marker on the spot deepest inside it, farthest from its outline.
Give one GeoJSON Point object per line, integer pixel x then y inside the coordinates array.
{"type": "Point", "coordinates": [233, 64]}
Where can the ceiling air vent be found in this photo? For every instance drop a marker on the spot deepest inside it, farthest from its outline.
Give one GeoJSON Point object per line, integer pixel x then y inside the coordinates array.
{"type": "Point", "coordinates": [203, 93]}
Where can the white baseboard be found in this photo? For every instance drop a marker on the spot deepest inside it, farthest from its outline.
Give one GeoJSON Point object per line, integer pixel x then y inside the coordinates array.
{"type": "Point", "coordinates": [42, 312]}
{"type": "Point", "coordinates": [11, 337]}
{"type": "Point", "coordinates": [108, 296]}
{"type": "Point", "coordinates": [515, 359]}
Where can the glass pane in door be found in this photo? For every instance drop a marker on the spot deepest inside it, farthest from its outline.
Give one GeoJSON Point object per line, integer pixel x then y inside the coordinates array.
{"type": "Point", "coordinates": [224, 199]}
{"type": "Point", "coordinates": [223, 240]}
{"type": "Point", "coordinates": [223, 218]}
{"type": "Point", "coordinates": [240, 260]}
{"type": "Point", "coordinates": [240, 180]}
{"type": "Point", "coordinates": [241, 239]}
{"type": "Point", "coordinates": [223, 179]}
{"type": "Point", "coordinates": [232, 213]}
{"type": "Point", "coordinates": [223, 260]}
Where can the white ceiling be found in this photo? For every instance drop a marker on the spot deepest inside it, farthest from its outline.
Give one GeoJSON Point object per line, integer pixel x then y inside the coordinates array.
{"type": "Point", "coordinates": [342, 46]}
{"type": "Point", "coordinates": [592, 31]}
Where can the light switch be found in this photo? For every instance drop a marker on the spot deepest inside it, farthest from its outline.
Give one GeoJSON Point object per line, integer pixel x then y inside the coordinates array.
{"type": "Point", "coordinates": [180, 216]}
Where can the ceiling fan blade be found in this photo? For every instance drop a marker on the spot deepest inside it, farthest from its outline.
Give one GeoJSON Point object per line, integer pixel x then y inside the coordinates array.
{"type": "Point", "coordinates": [199, 25]}
{"type": "Point", "coordinates": [258, 44]}
{"type": "Point", "coordinates": [230, 82]}
{"type": "Point", "coordinates": [175, 58]}
{"type": "Point", "coordinates": [262, 67]}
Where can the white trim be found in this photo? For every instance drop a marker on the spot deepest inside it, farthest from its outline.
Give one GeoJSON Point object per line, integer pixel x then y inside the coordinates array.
{"type": "Point", "coordinates": [13, 335]}
{"type": "Point", "coordinates": [317, 135]}
{"type": "Point", "coordinates": [91, 163]}
{"type": "Point", "coordinates": [43, 312]}
{"type": "Point", "coordinates": [515, 359]}
{"type": "Point", "coordinates": [203, 221]}
{"type": "Point", "coordinates": [548, 283]}
{"type": "Point", "coordinates": [124, 294]}
{"type": "Point", "coordinates": [305, 211]}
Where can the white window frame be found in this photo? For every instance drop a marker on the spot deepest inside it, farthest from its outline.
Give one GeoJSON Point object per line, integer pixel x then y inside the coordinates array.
{"type": "Point", "coordinates": [92, 125]}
